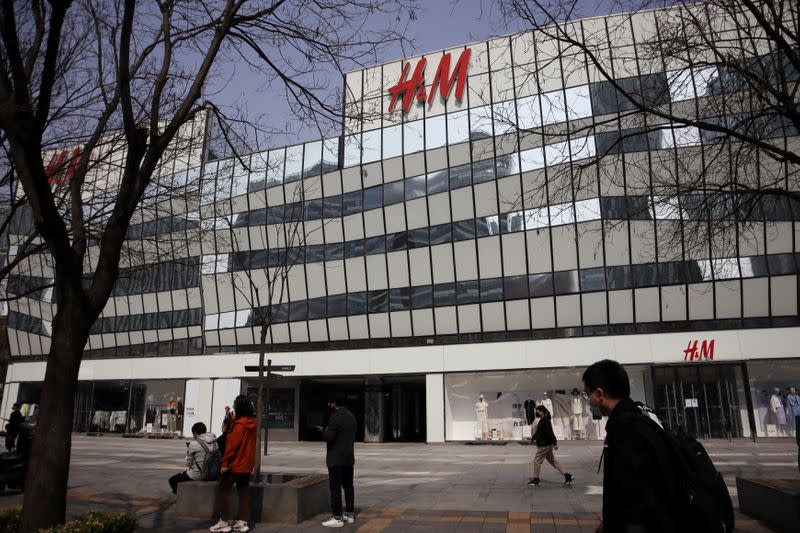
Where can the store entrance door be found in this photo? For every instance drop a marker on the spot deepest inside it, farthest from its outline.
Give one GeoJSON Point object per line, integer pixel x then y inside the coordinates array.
{"type": "Point", "coordinates": [700, 399]}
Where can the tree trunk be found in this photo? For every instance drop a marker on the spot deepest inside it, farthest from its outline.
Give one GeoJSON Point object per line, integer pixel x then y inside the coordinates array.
{"type": "Point", "coordinates": [47, 473]}
{"type": "Point", "coordinates": [260, 402]}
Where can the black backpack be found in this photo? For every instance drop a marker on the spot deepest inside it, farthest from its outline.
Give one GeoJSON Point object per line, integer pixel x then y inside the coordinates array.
{"type": "Point", "coordinates": [707, 505]}
{"type": "Point", "coordinates": [209, 470]}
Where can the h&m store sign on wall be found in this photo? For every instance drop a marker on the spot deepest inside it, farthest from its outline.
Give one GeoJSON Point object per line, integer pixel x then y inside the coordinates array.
{"type": "Point", "coordinates": [413, 88]}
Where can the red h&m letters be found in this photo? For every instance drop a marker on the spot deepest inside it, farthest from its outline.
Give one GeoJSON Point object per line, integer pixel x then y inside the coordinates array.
{"type": "Point", "coordinates": [706, 351]}
{"type": "Point", "coordinates": [415, 86]}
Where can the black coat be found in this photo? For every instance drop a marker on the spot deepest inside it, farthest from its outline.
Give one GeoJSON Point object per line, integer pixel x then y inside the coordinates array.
{"type": "Point", "coordinates": [340, 435]}
{"type": "Point", "coordinates": [641, 484]}
{"type": "Point", "coordinates": [544, 435]}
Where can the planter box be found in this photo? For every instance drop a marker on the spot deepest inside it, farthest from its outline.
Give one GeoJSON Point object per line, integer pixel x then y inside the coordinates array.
{"type": "Point", "coordinates": [281, 498]}
{"type": "Point", "coordinates": [773, 501]}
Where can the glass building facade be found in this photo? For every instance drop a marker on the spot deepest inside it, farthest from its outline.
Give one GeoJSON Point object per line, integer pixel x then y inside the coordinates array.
{"type": "Point", "coordinates": [449, 250]}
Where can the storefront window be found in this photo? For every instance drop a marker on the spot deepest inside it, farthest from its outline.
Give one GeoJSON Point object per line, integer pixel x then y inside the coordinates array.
{"type": "Point", "coordinates": [512, 397]}
{"type": "Point", "coordinates": [775, 389]}
{"type": "Point", "coordinates": [157, 407]}
{"type": "Point", "coordinates": [110, 407]}
{"type": "Point", "coordinates": [281, 406]}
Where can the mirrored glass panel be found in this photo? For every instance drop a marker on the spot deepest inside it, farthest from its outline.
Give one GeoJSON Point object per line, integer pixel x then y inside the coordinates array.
{"type": "Point", "coordinates": [457, 127]}
{"type": "Point", "coordinates": [371, 146]}
{"type": "Point", "coordinates": [392, 141]}
{"type": "Point", "coordinates": [312, 159]}
{"type": "Point", "coordinates": [413, 139]}
{"type": "Point", "coordinates": [294, 163]}
{"type": "Point", "coordinates": [435, 134]}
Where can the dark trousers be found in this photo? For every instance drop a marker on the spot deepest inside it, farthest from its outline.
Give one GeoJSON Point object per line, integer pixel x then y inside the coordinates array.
{"type": "Point", "coordinates": [177, 478]}
{"type": "Point", "coordinates": [226, 483]}
{"type": "Point", "coordinates": [341, 477]}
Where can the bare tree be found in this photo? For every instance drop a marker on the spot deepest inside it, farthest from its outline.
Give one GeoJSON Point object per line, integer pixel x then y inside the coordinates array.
{"type": "Point", "coordinates": [136, 75]}
{"type": "Point", "coordinates": [698, 112]}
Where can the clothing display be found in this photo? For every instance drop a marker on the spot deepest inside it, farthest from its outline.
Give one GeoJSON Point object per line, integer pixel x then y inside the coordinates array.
{"type": "Point", "coordinates": [530, 407]}
{"type": "Point", "coordinates": [792, 405]}
{"type": "Point", "coordinates": [577, 415]}
{"type": "Point", "coordinates": [482, 415]}
{"type": "Point", "coordinates": [111, 421]}
{"type": "Point", "coordinates": [547, 403]}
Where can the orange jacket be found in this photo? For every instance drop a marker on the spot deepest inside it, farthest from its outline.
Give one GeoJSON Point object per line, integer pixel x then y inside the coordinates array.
{"type": "Point", "coordinates": [240, 446]}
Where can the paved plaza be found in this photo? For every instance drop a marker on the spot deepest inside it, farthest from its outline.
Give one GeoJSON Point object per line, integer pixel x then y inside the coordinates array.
{"type": "Point", "coordinates": [399, 487]}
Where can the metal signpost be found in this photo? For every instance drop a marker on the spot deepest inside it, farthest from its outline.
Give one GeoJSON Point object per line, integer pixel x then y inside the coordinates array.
{"type": "Point", "coordinates": [269, 370]}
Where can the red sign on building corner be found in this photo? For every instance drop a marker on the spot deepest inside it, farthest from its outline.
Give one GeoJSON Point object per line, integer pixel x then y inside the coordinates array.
{"type": "Point", "coordinates": [705, 352]}
{"type": "Point", "coordinates": [414, 87]}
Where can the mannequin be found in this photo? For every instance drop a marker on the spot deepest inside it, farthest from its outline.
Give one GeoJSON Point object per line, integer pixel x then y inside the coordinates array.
{"type": "Point", "coordinates": [482, 415]}
{"type": "Point", "coordinates": [792, 408]}
{"type": "Point", "coordinates": [547, 402]}
{"type": "Point", "coordinates": [777, 410]}
{"type": "Point", "coordinates": [530, 407]}
{"type": "Point", "coordinates": [578, 426]}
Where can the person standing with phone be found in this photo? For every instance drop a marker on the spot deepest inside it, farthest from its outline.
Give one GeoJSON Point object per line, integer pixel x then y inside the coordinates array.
{"type": "Point", "coordinates": [340, 459]}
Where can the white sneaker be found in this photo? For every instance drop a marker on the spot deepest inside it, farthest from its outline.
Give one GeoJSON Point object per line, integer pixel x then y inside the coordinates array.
{"type": "Point", "coordinates": [222, 526]}
{"type": "Point", "coordinates": [349, 518]}
{"type": "Point", "coordinates": [241, 526]}
{"type": "Point", "coordinates": [333, 522]}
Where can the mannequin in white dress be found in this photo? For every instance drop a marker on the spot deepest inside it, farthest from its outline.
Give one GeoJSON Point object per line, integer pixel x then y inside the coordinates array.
{"type": "Point", "coordinates": [578, 425]}
{"type": "Point", "coordinates": [547, 402]}
{"type": "Point", "coordinates": [482, 416]}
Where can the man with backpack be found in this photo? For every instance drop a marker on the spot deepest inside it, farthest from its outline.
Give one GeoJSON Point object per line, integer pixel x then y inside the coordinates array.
{"type": "Point", "coordinates": [652, 481]}
{"type": "Point", "coordinates": [202, 458]}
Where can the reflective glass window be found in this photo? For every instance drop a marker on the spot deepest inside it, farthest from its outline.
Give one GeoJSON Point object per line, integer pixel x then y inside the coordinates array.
{"type": "Point", "coordinates": [415, 187]}
{"type": "Point", "coordinates": [457, 127]}
{"type": "Point", "coordinates": [400, 299]}
{"type": "Point", "coordinates": [313, 209]}
{"type": "Point", "coordinates": [332, 206]}
{"type": "Point", "coordinates": [578, 102]}
{"type": "Point", "coordinates": [312, 159]}
{"type": "Point", "coordinates": [352, 150]}
{"type": "Point", "coordinates": [593, 279]}
{"type": "Point", "coordinates": [444, 294]}
{"type": "Point", "coordinates": [540, 284]}
{"type": "Point", "coordinates": [781, 264]}
{"type": "Point", "coordinates": [491, 290]}
{"type": "Point", "coordinates": [484, 170]}
{"type": "Point", "coordinates": [512, 222]}
{"type": "Point", "coordinates": [298, 311]}
{"type": "Point", "coordinates": [378, 301]}
{"type": "Point", "coordinates": [480, 122]}
{"type": "Point", "coordinates": [515, 287]}
{"type": "Point", "coordinates": [375, 245]}
{"type": "Point", "coordinates": [357, 303]}
{"type": "Point", "coordinates": [317, 308]}
{"type": "Point", "coordinates": [468, 292]}
{"type": "Point", "coordinates": [505, 117]}
{"type": "Point", "coordinates": [565, 282]}
{"type": "Point", "coordinates": [334, 251]}
{"type": "Point", "coordinates": [351, 203]}
{"type": "Point", "coordinates": [463, 229]}
{"type": "Point", "coordinates": [315, 253]}
{"type": "Point", "coordinates": [531, 159]}
{"type": "Point", "coordinates": [460, 176]}
{"type": "Point", "coordinates": [586, 210]}
{"type": "Point", "coordinates": [438, 181]}
{"type": "Point", "coordinates": [440, 234]}
{"type": "Point", "coordinates": [354, 248]}
{"type": "Point", "coordinates": [417, 238]}
{"type": "Point", "coordinates": [294, 163]}
{"type": "Point", "coordinates": [422, 297]}
{"type": "Point", "coordinates": [371, 146]}
{"type": "Point", "coordinates": [561, 214]}
{"type": "Point", "coordinates": [528, 112]}
{"type": "Point", "coordinates": [485, 226]}
{"type": "Point", "coordinates": [373, 197]}
{"type": "Point", "coordinates": [554, 108]}
{"type": "Point", "coordinates": [618, 277]}
{"type": "Point", "coordinates": [337, 305]}
{"type": "Point", "coordinates": [275, 166]}
{"type": "Point", "coordinates": [330, 154]}
{"type": "Point", "coordinates": [644, 275]}
{"type": "Point", "coordinates": [725, 268]}
{"type": "Point", "coordinates": [435, 134]}
{"type": "Point", "coordinates": [393, 141]}
{"type": "Point", "coordinates": [413, 137]}
{"type": "Point", "coordinates": [754, 266]}
{"type": "Point", "coordinates": [393, 192]}
{"type": "Point", "coordinates": [397, 241]}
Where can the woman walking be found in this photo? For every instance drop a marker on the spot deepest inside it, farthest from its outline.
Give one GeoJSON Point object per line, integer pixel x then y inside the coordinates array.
{"type": "Point", "coordinates": [237, 465]}
{"type": "Point", "coordinates": [546, 443]}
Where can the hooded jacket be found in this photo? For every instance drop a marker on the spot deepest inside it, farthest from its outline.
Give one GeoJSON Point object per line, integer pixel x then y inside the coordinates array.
{"type": "Point", "coordinates": [240, 446]}
{"type": "Point", "coordinates": [196, 455]}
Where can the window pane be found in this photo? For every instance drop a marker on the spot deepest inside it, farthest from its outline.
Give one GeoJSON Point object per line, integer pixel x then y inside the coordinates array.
{"type": "Point", "coordinates": [565, 282]}
{"type": "Point", "coordinates": [357, 303]}
{"type": "Point", "coordinates": [330, 154]}
{"type": "Point", "coordinates": [317, 308]}
{"type": "Point", "coordinates": [438, 181]}
{"type": "Point", "coordinates": [480, 119]}
{"type": "Point", "coordinates": [485, 226]}
{"type": "Point", "coordinates": [444, 294]}
{"type": "Point", "coordinates": [352, 150]}
{"type": "Point", "coordinates": [275, 165]}
{"type": "Point", "coordinates": [515, 287]}
{"type": "Point", "coordinates": [415, 187]}
{"type": "Point", "coordinates": [460, 176]}
{"type": "Point", "coordinates": [440, 234]}
{"type": "Point", "coordinates": [337, 305]}
{"type": "Point", "coordinates": [375, 245]}
{"type": "Point", "coordinates": [400, 299]}
{"type": "Point", "coordinates": [457, 127]}
{"type": "Point", "coordinates": [529, 113]}
{"type": "Point", "coordinates": [373, 197]}
{"type": "Point", "coordinates": [491, 290]}
{"type": "Point", "coordinates": [578, 102]}
{"type": "Point", "coordinates": [540, 284]}
{"type": "Point", "coordinates": [553, 107]}
{"type": "Point", "coordinates": [378, 301]}
{"type": "Point", "coordinates": [531, 159]}
{"type": "Point", "coordinates": [312, 159]}
{"type": "Point", "coordinates": [505, 118]}
{"type": "Point", "coordinates": [618, 277]}
{"type": "Point", "coordinates": [435, 134]}
{"type": "Point", "coordinates": [351, 203]}
{"type": "Point", "coordinates": [593, 279]}
{"type": "Point", "coordinates": [392, 141]}
{"type": "Point", "coordinates": [468, 292]}
{"type": "Point", "coordinates": [294, 163]}
{"type": "Point", "coordinates": [393, 192]}
{"type": "Point", "coordinates": [413, 137]}
{"type": "Point", "coordinates": [422, 297]}
{"type": "Point", "coordinates": [332, 206]}
{"type": "Point", "coordinates": [371, 146]}
{"type": "Point", "coordinates": [463, 229]}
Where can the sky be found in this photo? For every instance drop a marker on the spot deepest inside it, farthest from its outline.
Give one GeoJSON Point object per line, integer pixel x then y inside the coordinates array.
{"type": "Point", "coordinates": [439, 24]}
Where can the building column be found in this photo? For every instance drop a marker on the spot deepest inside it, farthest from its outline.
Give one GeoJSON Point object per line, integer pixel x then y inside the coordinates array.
{"type": "Point", "coordinates": [434, 407]}
{"type": "Point", "coordinates": [373, 410]}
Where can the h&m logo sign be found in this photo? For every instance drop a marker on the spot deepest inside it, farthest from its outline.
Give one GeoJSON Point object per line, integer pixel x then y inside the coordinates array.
{"type": "Point", "coordinates": [62, 167]}
{"type": "Point", "coordinates": [414, 87]}
{"type": "Point", "coordinates": [705, 351]}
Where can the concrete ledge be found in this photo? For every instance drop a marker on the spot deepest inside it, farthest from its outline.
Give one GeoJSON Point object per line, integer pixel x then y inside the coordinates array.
{"type": "Point", "coordinates": [279, 498]}
{"type": "Point", "coordinates": [773, 501]}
